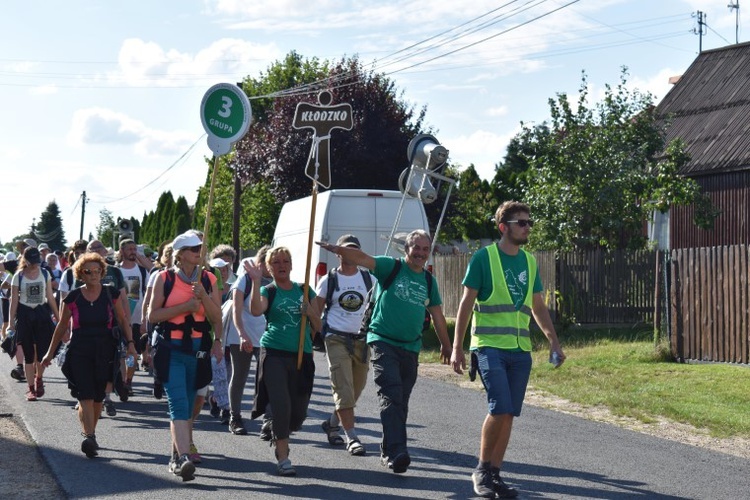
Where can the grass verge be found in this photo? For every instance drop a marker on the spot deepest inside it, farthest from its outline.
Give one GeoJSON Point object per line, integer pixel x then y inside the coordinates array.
{"type": "Point", "coordinates": [621, 370]}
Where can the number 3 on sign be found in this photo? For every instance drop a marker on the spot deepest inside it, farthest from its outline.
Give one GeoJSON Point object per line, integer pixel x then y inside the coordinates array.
{"type": "Point", "coordinates": [226, 116]}
{"type": "Point", "coordinates": [226, 108]}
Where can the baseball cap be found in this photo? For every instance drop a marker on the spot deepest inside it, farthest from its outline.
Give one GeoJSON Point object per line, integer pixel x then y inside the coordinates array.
{"type": "Point", "coordinates": [218, 262]}
{"type": "Point", "coordinates": [186, 240]}
{"type": "Point", "coordinates": [32, 255]}
{"type": "Point", "coordinates": [10, 256]}
{"type": "Point", "coordinates": [43, 246]}
{"type": "Point", "coordinates": [348, 240]}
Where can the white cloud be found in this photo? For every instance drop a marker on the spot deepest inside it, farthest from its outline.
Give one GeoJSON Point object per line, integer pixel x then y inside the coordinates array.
{"type": "Point", "coordinates": [498, 111]}
{"type": "Point", "coordinates": [99, 126]}
{"type": "Point", "coordinates": [147, 63]}
{"type": "Point", "coordinates": [482, 148]}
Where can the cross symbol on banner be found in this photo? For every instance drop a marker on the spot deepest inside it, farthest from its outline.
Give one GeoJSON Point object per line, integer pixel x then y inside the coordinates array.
{"type": "Point", "coordinates": [322, 119]}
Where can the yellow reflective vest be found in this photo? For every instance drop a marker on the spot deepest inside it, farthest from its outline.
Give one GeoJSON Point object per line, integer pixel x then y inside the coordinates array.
{"type": "Point", "coordinates": [496, 322]}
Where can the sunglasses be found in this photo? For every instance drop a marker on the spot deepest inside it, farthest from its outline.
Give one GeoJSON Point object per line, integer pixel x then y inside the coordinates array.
{"type": "Point", "coordinates": [521, 222]}
{"type": "Point", "coordinates": [94, 270]}
{"type": "Point", "coordinates": [196, 248]}
{"type": "Point", "coordinates": [96, 249]}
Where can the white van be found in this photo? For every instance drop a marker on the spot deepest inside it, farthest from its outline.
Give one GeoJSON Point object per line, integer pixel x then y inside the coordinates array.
{"type": "Point", "coordinates": [367, 214]}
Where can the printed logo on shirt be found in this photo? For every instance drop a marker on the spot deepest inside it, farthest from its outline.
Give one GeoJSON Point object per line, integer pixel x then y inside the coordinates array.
{"type": "Point", "coordinates": [34, 293]}
{"type": "Point", "coordinates": [410, 291]}
{"type": "Point", "coordinates": [351, 300]}
{"type": "Point", "coordinates": [515, 287]}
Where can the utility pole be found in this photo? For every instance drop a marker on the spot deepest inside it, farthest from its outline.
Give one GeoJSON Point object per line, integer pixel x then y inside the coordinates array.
{"type": "Point", "coordinates": [736, 8]}
{"type": "Point", "coordinates": [236, 218]}
{"type": "Point", "coordinates": [83, 212]}
{"type": "Point", "coordinates": [700, 31]}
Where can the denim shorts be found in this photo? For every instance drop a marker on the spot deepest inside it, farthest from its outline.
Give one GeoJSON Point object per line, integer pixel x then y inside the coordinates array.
{"type": "Point", "coordinates": [505, 375]}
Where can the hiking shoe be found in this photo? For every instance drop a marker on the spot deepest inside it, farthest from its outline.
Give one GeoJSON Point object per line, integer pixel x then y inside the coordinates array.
{"type": "Point", "coordinates": [266, 430]}
{"type": "Point", "coordinates": [236, 426]}
{"type": "Point", "coordinates": [286, 468]}
{"type": "Point", "coordinates": [501, 489]}
{"type": "Point", "coordinates": [89, 446]}
{"type": "Point", "coordinates": [17, 373]}
{"type": "Point", "coordinates": [31, 394]}
{"type": "Point", "coordinates": [194, 456]}
{"type": "Point", "coordinates": [334, 439]}
{"type": "Point", "coordinates": [483, 485]}
{"type": "Point", "coordinates": [182, 467]}
{"type": "Point", "coordinates": [158, 390]}
{"type": "Point", "coordinates": [400, 463]}
{"type": "Point", "coordinates": [39, 386]}
{"type": "Point", "coordinates": [225, 417]}
{"type": "Point", "coordinates": [109, 407]}
{"type": "Point", "coordinates": [354, 447]}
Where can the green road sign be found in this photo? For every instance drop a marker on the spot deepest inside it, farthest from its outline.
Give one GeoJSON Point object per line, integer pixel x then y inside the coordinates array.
{"type": "Point", "coordinates": [226, 116]}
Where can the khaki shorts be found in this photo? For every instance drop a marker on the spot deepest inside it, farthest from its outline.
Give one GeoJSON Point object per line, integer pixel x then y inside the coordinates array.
{"type": "Point", "coordinates": [348, 371]}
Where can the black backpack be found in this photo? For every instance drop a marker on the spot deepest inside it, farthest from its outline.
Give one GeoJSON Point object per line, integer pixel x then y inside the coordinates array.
{"type": "Point", "coordinates": [367, 316]}
{"type": "Point", "coordinates": [333, 285]}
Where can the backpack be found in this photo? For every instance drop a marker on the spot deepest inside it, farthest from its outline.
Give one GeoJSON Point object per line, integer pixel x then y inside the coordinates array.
{"type": "Point", "coordinates": [367, 316]}
{"type": "Point", "coordinates": [333, 284]}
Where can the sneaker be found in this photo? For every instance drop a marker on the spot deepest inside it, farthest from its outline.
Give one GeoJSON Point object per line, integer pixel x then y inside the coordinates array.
{"type": "Point", "coordinates": [31, 394]}
{"type": "Point", "coordinates": [400, 463]}
{"type": "Point", "coordinates": [194, 456]}
{"type": "Point", "coordinates": [129, 388]}
{"type": "Point", "coordinates": [225, 417]}
{"type": "Point", "coordinates": [18, 373]}
{"type": "Point", "coordinates": [109, 407]}
{"type": "Point", "coordinates": [182, 467]}
{"type": "Point", "coordinates": [286, 468]}
{"type": "Point", "coordinates": [39, 386]}
{"type": "Point", "coordinates": [334, 438]}
{"type": "Point", "coordinates": [501, 489]}
{"type": "Point", "coordinates": [89, 446]}
{"type": "Point", "coordinates": [236, 426]}
{"type": "Point", "coordinates": [158, 390]}
{"type": "Point", "coordinates": [483, 485]}
{"type": "Point", "coordinates": [266, 430]}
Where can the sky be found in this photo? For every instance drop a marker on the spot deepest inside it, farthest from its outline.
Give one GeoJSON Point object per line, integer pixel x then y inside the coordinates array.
{"type": "Point", "coordinates": [104, 97]}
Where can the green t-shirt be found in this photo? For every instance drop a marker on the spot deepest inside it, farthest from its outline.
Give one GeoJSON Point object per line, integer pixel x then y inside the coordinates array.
{"type": "Point", "coordinates": [284, 319]}
{"type": "Point", "coordinates": [516, 269]}
{"type": "Point", "coordinates": [399, 312]}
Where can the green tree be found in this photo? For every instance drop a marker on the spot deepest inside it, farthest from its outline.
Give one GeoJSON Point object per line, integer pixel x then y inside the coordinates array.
{"type": "Point", "coordinates": [371, 155]}
{"type": "Point", "coordinates": [597, 173]}
{"type": "Point", "coordinates": [470, 210]}
{"type": "Point", "coordinates": [50, 228]}
{"type": "Point", "coordinates": [106, 227]}
{"type": "Point", "coordinates": [182, 216]}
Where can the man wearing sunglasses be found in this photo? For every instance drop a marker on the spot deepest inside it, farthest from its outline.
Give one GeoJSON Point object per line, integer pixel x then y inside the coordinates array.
{"type": "Point", "coordinates": [503, 289]}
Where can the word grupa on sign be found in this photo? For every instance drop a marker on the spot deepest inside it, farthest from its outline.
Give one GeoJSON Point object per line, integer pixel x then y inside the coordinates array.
{"type": "Point", "coordinates": [221, 125]}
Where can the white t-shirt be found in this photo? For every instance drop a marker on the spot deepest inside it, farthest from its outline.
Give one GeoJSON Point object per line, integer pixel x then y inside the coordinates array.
{"type": "Point", "coordinates": [254, 325]}
{"type": "Point", "coordinates": [347, 303]}
{"type": "Point", "coordinates": [32, 291]}
{"type": "Point", "coordinates": [134, 290]}
{"type": "Point", "coordinates": [64, 286]}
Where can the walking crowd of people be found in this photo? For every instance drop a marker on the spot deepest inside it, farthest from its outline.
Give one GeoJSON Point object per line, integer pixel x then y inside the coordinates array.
{"type": "Point", "coordinates": [183, 315]}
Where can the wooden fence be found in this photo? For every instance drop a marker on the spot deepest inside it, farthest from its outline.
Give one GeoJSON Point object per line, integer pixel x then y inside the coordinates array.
{"type": "Point", "coordinates": [580, 287]}
{"type": "Point", "coordinates": [710, 304]}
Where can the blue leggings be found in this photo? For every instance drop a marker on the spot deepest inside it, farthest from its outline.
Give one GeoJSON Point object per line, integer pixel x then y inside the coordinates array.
{"type": "Point", "coordinates": [181, 386]}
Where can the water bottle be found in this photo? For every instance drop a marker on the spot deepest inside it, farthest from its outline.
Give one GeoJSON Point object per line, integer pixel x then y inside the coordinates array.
{"type": "Point", "coordinates": [130, 361]}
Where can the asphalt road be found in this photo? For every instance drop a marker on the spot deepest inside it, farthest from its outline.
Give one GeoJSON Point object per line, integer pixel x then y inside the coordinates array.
{"type": "Point", "coordinates": [551, 455]}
